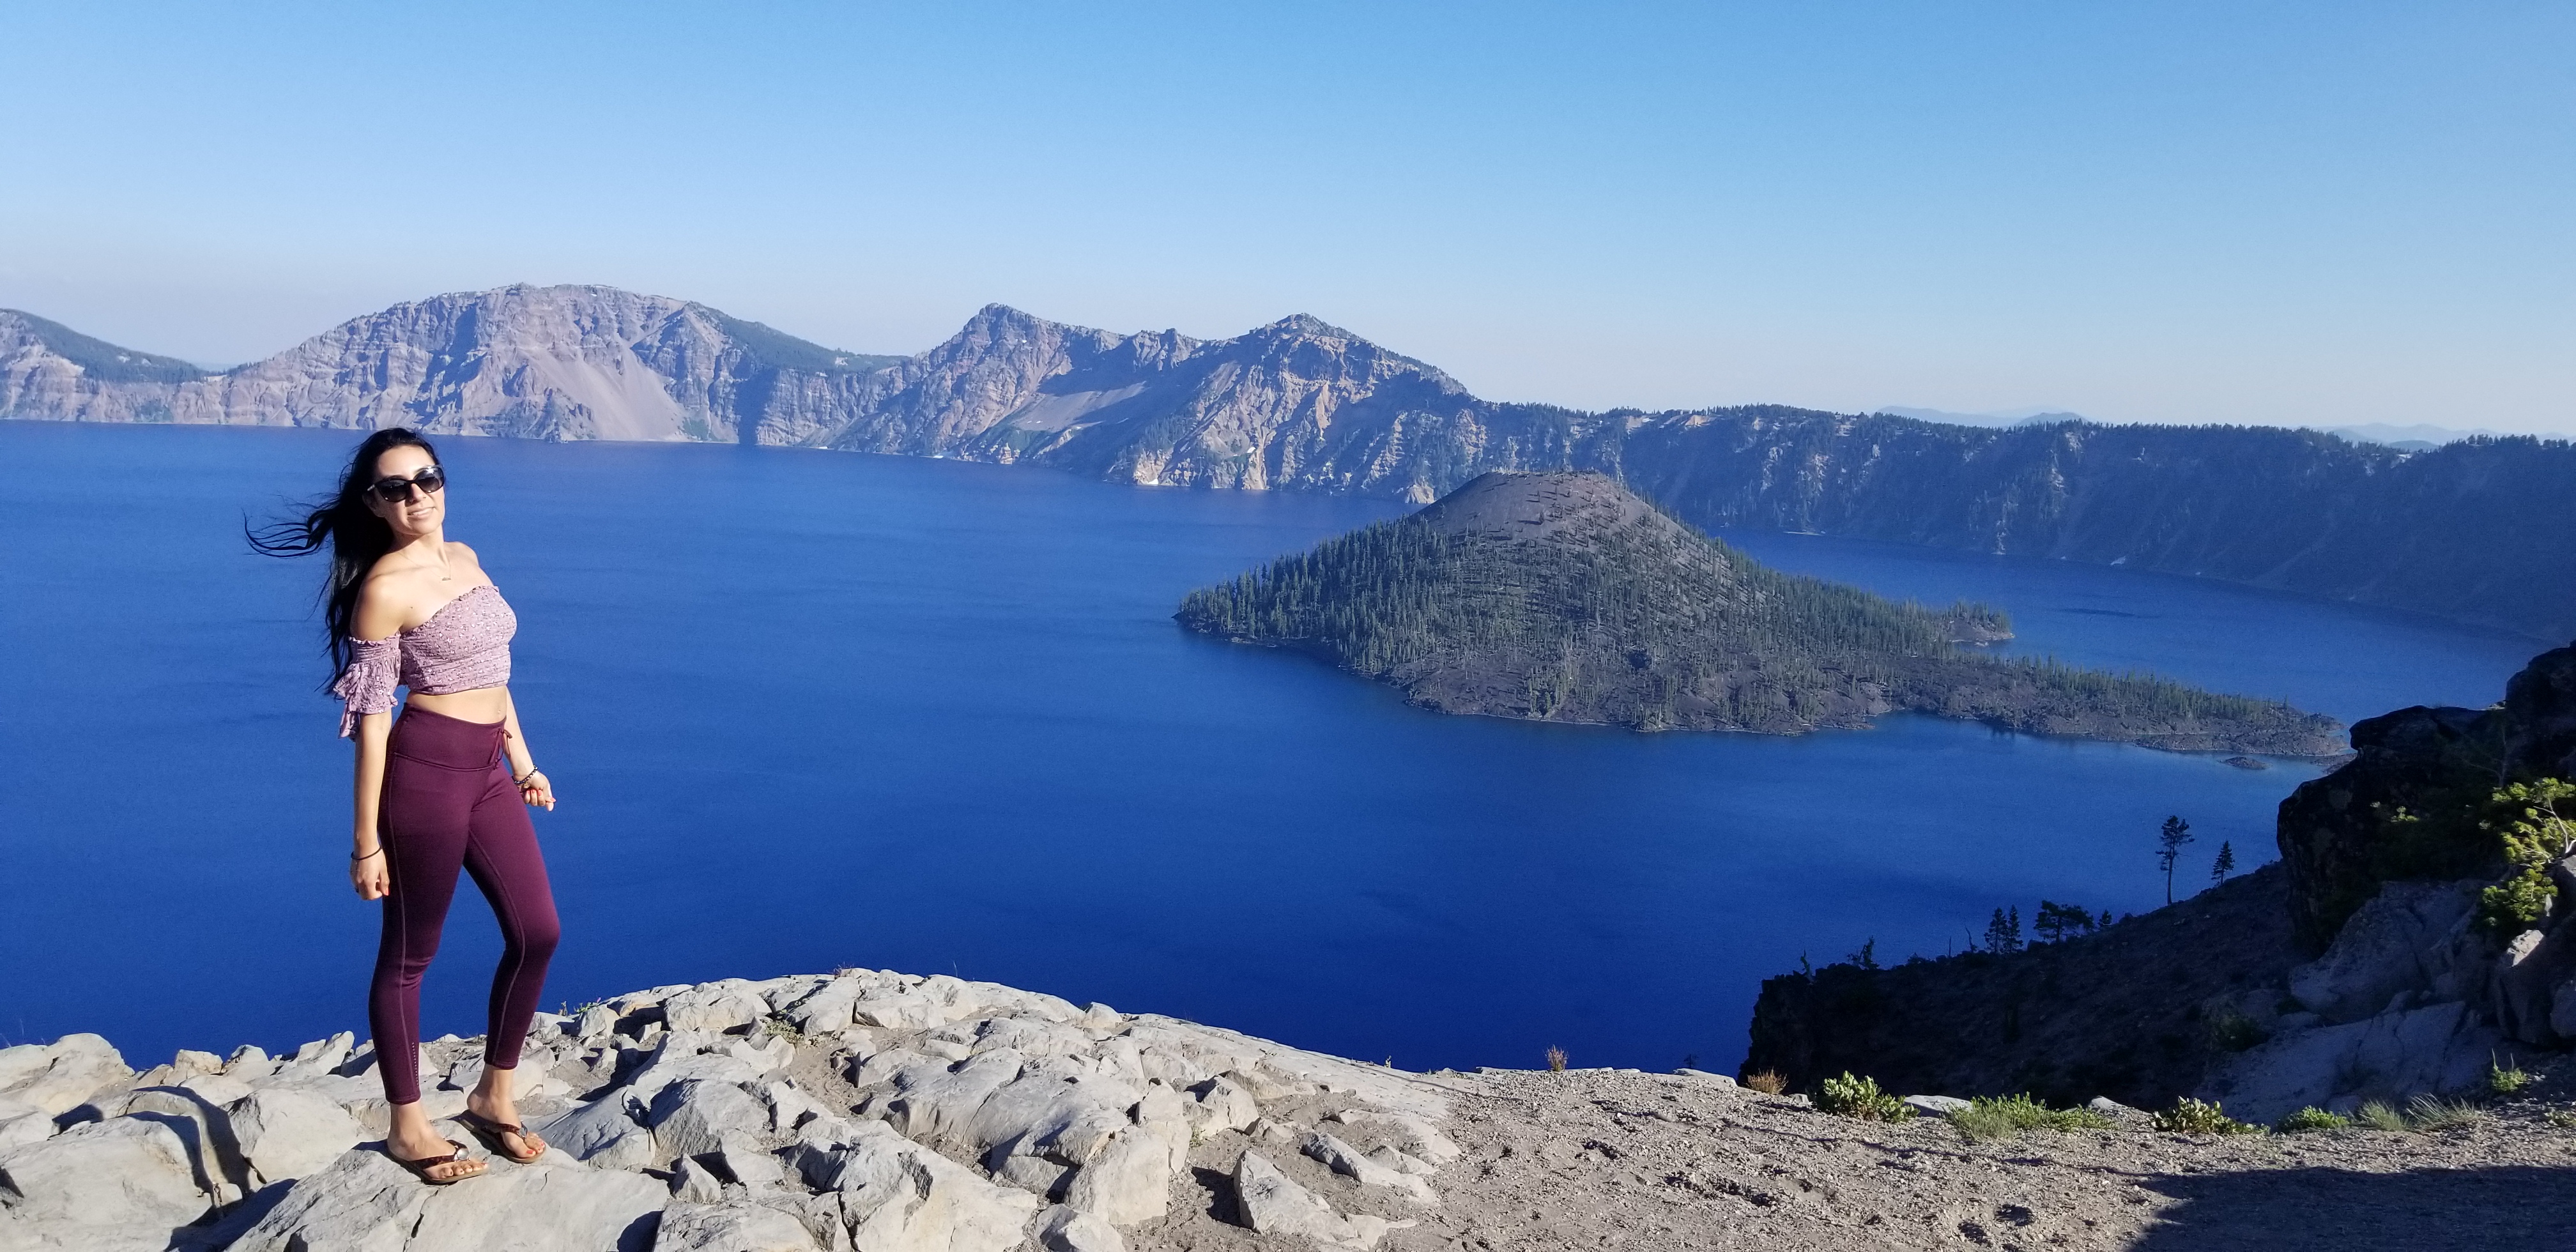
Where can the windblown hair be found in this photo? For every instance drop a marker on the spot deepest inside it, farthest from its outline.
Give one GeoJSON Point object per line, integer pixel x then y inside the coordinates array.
{"type": "Point", "coordinates": [357, 538]}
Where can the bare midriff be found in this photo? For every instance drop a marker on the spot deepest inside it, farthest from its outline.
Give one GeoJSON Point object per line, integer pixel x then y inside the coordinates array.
{"type": "Point", "coordinates": [482, 704]}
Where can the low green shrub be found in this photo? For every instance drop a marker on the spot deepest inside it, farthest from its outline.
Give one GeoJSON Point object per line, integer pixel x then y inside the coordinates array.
{"type": "Point", "coordinates": [2379, 1116]}
{"type": "Point", "coordinates": [1991, 1117]}
{"type": "Point", "coordinates": [2311, 1118]}
{"type": "Point", "coordinates": [2432, 1112]}
{"type": "Point", "coordinates": [2233, 1031]}
{"type": "Point", "coordinates": [2505, 1080]}
{"type": "Point", "coordinates": [2564, 1119]}
{"type": "Point", "coordinates": [1860, 1098]}
{"type": "Point", "coordinates": [2192, 1117]}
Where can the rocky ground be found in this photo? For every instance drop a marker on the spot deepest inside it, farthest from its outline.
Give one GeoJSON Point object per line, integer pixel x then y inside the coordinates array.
{"type": "Point", "coordinates": [877, 1112]}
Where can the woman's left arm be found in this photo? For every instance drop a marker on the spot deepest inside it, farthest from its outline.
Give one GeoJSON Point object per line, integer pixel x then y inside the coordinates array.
{"type": "Point", "coordinates": [533, 786]}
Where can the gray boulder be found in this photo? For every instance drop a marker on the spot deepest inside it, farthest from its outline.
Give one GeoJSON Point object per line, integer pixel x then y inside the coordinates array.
{"type": "Point", "coordinates": [1062, 1229]}
{"type": "Point", "coordinates": [1272, 1203]}
{"type": "Point", "coordinates": [742, 1158]}
{"type": "Point", "coordinates": [363, 1202]}
{"type": "Point", "coordinates": [714, 1007]}
{"type": "Point", "coordinates": [124, 1183]}
{"type": "Point", "coordinates": [826, 1010]}
{"type": "Point", "coordinates": [1219, 1104]}
{"type": "Point", "coordinates": [2412, 936]}
{"type": "Point", "coordinates": [736, 1226]}
{"type": "Point", "coordinates": [2527, 976]}
{"type": "Point", "coordinates": [691, 1118]}
{"type": "Point", "coordinates": [2393, 1056]}
{"type": "Point", "coordinates": [1342, 1159]}
{"type": "Point", "coordinates": [1935, 1105]}
{"type": "Point", "coordinates": [287, 1132]}
{"type": "Point", "coordinates": [1128, 1180]}
{"type": "Point", "coordinates": [696, 1183]}
{"type": "Point", "coordinates": [60, 1076]}
{"type": "Point", "coordinates": [898, 1196]}
{"type": "Point", "coordinates": [22, 1124]}
{"type": "Point", "coordinates": [215, 1158]}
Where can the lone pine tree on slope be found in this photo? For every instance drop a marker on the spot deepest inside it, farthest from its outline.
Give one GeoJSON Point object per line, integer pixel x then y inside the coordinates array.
{"type": "Point", "coordinates": [2224, 865]}
{"type": "Point", "coordinates": [2177, 832]}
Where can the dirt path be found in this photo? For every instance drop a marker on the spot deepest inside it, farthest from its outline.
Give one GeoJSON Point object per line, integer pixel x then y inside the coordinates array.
{"type": "Point", "coordinates": [1600, 1159]}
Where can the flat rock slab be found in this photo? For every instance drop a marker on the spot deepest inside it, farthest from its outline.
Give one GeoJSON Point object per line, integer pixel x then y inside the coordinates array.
{"type": "Point", "coordinates": [363, 1202]}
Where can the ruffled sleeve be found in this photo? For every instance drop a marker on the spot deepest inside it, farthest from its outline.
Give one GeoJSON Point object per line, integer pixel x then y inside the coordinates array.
{"type": "Point", "coordinates": [367, 685]}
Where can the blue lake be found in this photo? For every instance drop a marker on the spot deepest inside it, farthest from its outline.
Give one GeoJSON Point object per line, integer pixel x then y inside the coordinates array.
{"type": "Point", "coordinates": [815, 709]}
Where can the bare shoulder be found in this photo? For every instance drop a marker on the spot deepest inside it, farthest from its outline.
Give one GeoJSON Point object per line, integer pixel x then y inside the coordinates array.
{"type": "Point", "coordinates": [388, 600]}
{"type": "Point", "coordinates": [472, 564]}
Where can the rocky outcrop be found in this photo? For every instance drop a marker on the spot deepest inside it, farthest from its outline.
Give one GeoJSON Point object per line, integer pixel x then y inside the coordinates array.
{"type": "Point", "coordinates": [2393, 811]}
{"type": "Point", "coordinates": [856, 1112]}
{"type": "Point", "coordinates": [2362, 967]}
{"type": "Point", "coordinates": [2481, 530]}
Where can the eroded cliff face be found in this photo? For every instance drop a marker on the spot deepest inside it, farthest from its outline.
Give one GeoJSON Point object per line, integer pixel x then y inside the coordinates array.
{"type": "Point", "coordinates": [526, 362]}
{"type": "Point", "coordinates": [2483, 530]}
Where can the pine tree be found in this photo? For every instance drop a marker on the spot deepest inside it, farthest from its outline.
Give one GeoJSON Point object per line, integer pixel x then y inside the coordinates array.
{"type": "Point", "coordinates": [2225, 865]}
{"type": "Point", "coordinates": [2177, 832]}
{"type": "Point", "coordinates": [2003, 934]}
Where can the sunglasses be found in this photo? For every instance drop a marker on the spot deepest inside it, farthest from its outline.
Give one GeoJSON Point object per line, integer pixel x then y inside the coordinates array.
{"type": "Point", "coordinates": [397, 490]}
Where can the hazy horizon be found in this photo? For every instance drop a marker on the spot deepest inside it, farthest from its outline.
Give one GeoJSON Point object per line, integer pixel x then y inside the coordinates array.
{"type": "Point", "coordinates": [2283, 215]}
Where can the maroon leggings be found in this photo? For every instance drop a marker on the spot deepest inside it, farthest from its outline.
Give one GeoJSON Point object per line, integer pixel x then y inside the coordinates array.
{"type": "Point", "coordinates": [449, 804]}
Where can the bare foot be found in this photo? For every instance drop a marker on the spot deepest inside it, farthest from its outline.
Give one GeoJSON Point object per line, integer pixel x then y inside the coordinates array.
{"type": "Point", "coordinates": [491, 1101]}
{"type": "Point", "coordinates": [421, 1145]}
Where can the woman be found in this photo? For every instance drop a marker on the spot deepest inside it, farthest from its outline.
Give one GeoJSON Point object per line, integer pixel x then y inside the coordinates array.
{"type": "Point", "coordinates": [439, 789]}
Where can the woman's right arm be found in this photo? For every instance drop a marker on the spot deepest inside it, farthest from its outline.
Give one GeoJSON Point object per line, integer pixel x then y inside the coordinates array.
{"type": "Point", "coordinates": [367, 870]}
{"type": "Point", "coordinates": [373, 683]}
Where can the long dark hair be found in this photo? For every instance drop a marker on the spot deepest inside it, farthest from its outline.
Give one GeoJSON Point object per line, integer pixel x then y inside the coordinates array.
{"type": "Point", "coordinates": [357, 537]}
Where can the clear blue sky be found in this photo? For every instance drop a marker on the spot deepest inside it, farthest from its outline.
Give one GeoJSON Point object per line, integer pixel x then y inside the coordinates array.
{"type": "Point", "coordinates": [2319, 213]}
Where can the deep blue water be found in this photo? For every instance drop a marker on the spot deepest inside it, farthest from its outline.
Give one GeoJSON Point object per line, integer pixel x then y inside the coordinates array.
{"type": "Point", "coordinates": [812, 709]}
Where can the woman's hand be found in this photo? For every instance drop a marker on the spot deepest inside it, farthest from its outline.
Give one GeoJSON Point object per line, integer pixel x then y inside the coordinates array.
{"type": "Point", "coordinates": [537, 791]}
{"type": "Point", "coordinates": [369, 876]}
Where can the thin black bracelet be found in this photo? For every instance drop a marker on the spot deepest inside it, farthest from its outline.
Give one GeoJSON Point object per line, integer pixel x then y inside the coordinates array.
{"type": "Point", "coordinates": [360, 856]}
{"type": "Point", "coordinates": [522, 780]}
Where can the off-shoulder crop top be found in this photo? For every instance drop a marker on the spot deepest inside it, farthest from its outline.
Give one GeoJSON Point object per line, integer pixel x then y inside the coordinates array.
{"type": "Point", "coordinates": [463, 646]}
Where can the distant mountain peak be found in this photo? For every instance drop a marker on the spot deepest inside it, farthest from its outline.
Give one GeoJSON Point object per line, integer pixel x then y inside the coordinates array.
{"type": "Point", "coordinates": [98, 359]}
{"type": "Point", "coordinates": [1306, 324]}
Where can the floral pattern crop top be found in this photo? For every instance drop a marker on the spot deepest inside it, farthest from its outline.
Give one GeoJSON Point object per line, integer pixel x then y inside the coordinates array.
{"type": "Point", "coordinates": [464, 646]}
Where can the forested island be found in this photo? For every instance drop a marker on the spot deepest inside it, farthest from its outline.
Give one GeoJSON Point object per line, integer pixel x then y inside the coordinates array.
{"type": "Point", "coordinates": [1565, 597]}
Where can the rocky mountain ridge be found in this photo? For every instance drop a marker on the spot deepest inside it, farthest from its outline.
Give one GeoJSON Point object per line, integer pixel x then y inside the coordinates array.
{"type": "Point", "coordinates": [2481, 530]}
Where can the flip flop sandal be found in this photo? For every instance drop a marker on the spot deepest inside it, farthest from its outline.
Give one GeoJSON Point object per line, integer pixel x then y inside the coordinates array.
{"type": "Point", "coordinates": [491, 1132]}
{"type": "Point", "coordinates": [420, 1167]}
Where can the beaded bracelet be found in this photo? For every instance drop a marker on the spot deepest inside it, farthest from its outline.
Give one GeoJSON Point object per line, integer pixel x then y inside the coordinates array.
{"type": "Point", "coordinates": [522, 780]}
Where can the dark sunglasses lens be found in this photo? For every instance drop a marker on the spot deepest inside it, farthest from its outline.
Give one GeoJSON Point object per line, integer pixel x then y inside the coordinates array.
{"type": "Point", "coordinates": [397, 490]}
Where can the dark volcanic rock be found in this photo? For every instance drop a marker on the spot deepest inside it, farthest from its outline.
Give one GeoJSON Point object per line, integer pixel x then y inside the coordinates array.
{"type": "Point", "coordinates": [2341, 836]}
